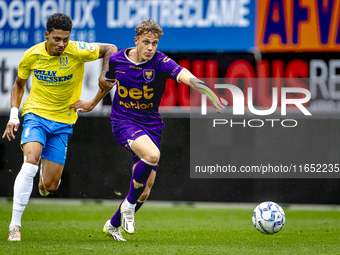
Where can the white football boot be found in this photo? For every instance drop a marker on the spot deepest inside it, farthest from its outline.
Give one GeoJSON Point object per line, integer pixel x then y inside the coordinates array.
{"type": "Point", "coordinates": [14, 234]}
{"type": "Point", "coordinates": [112, 231]}
{"type": "Point", "coordinates": [127, 218]}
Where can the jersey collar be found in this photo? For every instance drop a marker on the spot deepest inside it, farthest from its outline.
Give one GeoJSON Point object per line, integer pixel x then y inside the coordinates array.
{"type": "Point", "coordinates": [137, 64]}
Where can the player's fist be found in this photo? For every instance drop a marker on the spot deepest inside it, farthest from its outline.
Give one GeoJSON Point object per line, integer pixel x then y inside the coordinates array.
{"type": "Point", "coordinates": [107, 85]}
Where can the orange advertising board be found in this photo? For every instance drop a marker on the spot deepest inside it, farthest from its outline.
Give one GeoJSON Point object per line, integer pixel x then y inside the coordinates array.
{"type": "Point", "coordinates": [298, 25]}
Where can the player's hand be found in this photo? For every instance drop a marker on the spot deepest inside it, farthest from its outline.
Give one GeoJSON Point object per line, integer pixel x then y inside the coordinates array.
{"type": "Point", "coordinates": [83, 106]}
{"type": "Point", "coordinates": [12, 125]}
{"type": "Point", "coordinates": [105, 84]}
{"type": "Point", "coordinates": [220, 105]}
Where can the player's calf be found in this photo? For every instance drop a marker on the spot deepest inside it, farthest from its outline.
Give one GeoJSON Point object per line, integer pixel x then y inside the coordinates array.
{"type": "Point", "coordinates": [46, 189]}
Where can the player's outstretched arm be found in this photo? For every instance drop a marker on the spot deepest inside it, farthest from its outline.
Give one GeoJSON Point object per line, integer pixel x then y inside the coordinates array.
{"type": "Point", "coordinates": [189, 79]}
{"type": "Point", "coordinates": [87, 106]}
{"type": "Point", "coordinates": [105, 52]}
{"type": "Point", "coordinates": [17, 93]}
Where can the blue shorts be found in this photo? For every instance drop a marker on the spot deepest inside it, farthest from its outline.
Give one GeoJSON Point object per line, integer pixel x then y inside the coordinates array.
{"type": "Point", "coordinates": [52, 135]}
{"type": "Point", "coordinates": [126, 132]}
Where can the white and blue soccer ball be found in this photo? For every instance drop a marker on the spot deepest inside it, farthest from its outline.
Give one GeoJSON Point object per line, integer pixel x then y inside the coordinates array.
{"type": "Point", "coordinates": [268, 218]}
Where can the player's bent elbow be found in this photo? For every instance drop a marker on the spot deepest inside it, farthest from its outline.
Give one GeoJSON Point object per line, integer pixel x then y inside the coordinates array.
{"type": "Point", "coordinates": [115, 49]}
{"type": "Point", "coordinates": [112, 49]}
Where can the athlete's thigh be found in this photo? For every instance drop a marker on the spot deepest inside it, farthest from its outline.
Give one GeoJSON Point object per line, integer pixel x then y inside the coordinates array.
{"type": "Point", "coordinates": [34, 130]}
{"type": "Point", "coordinates": [51, 171]}
{"type": "Point", "coordinates": [33, 138]}
{"type": "Point", "coordinates": [32, 152]}
{"type": "Point", "coordinates": [143, 146]}
{"type": "Point", "coordinates": [55, 149]}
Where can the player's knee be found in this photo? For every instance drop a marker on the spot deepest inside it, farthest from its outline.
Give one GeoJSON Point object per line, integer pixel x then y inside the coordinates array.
{"type": "Point", "coordinates": [153, 157]}
{"type": "Point", "coordinates": [52, 185]}
{"type": "Point", "coordinates": [32, 159]}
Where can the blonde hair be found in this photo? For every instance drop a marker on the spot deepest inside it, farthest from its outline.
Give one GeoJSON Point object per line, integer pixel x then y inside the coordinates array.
{"type": "Point", "coordinates": [149, 26]}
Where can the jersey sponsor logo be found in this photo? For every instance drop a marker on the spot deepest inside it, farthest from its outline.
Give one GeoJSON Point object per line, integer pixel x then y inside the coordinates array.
{"type": "Point", "coordinates": [149, 74]}
{"type": "Point", "coordinates": [63, 61]}
{"type": "Point", "coordinates": [50, 77]}
{"type": "Point", "coordinates": [135, 94]}
{"type": "Point", "coordinates": [136, 67]}
{"type": "Point", "coordinates": [173, 73]}
{"type": "Point", "coordinates": [136, 105]}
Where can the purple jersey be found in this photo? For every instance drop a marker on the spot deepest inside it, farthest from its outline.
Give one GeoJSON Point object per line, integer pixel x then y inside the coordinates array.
{"type": "Point", "coordinates": [140, 87]}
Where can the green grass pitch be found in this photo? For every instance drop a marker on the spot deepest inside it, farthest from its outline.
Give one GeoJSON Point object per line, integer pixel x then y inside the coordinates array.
{"type": "Point", "coordinates": [77, 229]}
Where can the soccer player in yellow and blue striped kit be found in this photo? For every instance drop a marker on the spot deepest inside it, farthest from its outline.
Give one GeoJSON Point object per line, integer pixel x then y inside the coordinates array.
{"type": "Point", "coordinates": [57, 66]}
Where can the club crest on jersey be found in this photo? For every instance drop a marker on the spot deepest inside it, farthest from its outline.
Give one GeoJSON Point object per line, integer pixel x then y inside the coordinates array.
{"type": "Point", "coordinates": [63, 61]}
{"type": "Point", "coordinates": [149, 74]}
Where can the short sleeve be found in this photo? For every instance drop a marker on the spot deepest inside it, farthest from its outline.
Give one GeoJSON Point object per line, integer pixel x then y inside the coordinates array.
{"type": "Point", "coordinates": [170, 68]}
{"type": "Point", "coordinates": [87, 51]}
{"type": "Point", "coordinates": [24, 71]}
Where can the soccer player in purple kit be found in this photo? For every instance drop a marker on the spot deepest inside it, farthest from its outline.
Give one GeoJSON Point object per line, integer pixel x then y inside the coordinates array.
{"type": "Point", "coordinates": [141, 73]}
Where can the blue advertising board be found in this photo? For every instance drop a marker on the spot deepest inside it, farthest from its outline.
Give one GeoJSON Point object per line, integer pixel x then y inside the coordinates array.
{"type": "Point", "coordinates": [188, 25]}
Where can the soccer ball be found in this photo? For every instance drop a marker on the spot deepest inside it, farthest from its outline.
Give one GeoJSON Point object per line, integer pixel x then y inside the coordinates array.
{"type": "Point", "coordinates": [268, 218]}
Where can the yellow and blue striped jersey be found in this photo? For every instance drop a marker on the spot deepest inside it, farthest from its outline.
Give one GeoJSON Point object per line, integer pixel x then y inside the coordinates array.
{"type": "Point", "coordinates": [57, 80]}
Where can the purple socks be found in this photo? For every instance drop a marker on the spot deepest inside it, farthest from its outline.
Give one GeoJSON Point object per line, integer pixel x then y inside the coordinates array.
{"type": "Point", "coordinates": [140, 176]}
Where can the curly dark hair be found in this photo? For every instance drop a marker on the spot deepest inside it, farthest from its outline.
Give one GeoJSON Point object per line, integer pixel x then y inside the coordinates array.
{"type": "Point", "coordinates": [149, 26]}
{"type": "Point", "coordinates": [59, 21]}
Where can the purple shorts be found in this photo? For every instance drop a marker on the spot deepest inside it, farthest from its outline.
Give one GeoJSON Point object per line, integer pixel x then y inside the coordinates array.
{"type": "Point", "coordinates": [125, 132]}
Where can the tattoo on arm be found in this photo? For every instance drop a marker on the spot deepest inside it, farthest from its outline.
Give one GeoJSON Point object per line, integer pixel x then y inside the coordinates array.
{"type": "Point", "coordinates": [105, 52]}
